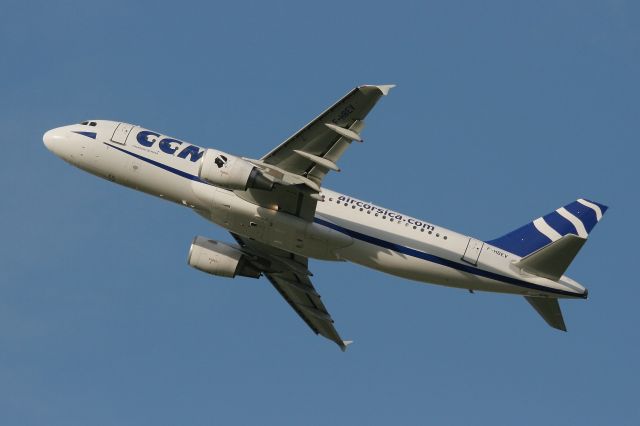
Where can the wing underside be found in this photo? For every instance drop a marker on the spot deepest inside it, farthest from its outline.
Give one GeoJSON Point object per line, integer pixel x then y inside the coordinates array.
{"type": "Point", "coordinates": [289, 275]}
{"type": "Point", "coordinates": [300, 163]}
{"type": "Point", "coordinates": [297, 168]}
{"type": "Point", "coordinates": [314, 150]}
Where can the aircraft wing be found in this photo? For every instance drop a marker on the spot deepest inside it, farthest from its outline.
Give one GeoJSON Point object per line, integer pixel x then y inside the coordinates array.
{"type": "Point", "coordinates": [301, 162]}
{"type": "Point", "coordinates": [289, 274]}
{"type": "Point", "coordinates": [314, 150]}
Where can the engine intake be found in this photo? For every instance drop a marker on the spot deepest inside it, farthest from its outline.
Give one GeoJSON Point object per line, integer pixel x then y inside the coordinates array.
{"type": "Point", "coordinates": [231, 172]}
{"type": "Point", "coordinates": [216, 258]}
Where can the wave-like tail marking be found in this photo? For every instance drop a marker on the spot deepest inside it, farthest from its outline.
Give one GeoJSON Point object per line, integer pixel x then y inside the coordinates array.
{"type": "Point", "coordinates": [577, 218]}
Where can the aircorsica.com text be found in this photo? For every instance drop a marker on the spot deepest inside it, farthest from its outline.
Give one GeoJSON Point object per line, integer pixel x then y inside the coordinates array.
{"type": "Point", "coordinates": [384, 212]}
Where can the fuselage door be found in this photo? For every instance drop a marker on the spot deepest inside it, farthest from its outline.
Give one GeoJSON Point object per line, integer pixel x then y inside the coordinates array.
{"type": "Point", "coordinates": [121, 133]}
{"type": "Point", "coordinates": [473, 250]}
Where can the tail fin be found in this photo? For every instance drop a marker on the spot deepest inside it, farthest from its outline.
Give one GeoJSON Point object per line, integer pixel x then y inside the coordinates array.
{"type": "Point", "coordinates": [577, 218]}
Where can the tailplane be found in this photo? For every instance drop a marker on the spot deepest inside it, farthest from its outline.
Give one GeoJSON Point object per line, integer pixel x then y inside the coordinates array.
{"type": "Point", "coordinates": [553, 259]}
{"type": "Point", "coordinates": [549, 310]}
{"type": "Point", "coordinates": [548, 245]}
{"type": "Point", "coordinates": [577, 218]}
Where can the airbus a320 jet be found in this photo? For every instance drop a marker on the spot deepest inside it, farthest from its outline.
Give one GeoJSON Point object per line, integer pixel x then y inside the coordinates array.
{"type": "Point", "coordinates": [280, 216]}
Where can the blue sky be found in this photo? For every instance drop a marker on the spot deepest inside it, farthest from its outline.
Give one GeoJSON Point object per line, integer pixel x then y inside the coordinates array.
{"type": "Point", "coordinates": [503, 112]}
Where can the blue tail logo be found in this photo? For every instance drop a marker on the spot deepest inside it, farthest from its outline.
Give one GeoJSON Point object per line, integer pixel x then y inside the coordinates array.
{"type": "Point", "coordinates": [577, 218]}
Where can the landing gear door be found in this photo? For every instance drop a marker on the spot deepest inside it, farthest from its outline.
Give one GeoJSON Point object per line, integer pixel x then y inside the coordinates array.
{"type": "Point", "coordinates": [121, 133]}
{"type": "Point", "coordinates": [472, 252]}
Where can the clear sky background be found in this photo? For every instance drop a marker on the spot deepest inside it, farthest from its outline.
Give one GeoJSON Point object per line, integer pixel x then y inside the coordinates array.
{"type": "Point", "coordinates": [504, 111]}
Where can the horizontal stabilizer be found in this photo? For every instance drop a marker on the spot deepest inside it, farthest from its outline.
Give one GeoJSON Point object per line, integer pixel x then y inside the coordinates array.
{"type": "Point", "coordinates": [549, 310]}
{"type": "Point", "coordinates": [552, 260]}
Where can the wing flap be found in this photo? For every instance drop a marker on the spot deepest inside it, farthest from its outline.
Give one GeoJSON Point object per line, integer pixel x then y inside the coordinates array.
{"type": "Point", "coordinates": [307, 289]}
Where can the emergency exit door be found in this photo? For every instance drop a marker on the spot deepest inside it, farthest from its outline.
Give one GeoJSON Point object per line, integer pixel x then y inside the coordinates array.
{"type": "Point", "coordinates": [473, 250]}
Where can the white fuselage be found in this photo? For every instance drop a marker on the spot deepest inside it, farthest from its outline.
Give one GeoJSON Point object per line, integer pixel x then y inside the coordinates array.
{"type": "Point", "coordinates": [344, 228]}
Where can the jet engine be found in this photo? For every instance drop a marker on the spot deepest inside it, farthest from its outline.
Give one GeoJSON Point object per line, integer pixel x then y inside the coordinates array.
{"type": "Point", "coordinates": [216, 258]}
{"type": "Point", "coordinates": [231, 172]}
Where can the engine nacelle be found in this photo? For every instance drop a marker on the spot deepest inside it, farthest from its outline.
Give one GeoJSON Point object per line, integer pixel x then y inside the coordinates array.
{"type": "Point", "coordinates": [231, 172]}
{"type": "Point", "coordinates": [216, 258]}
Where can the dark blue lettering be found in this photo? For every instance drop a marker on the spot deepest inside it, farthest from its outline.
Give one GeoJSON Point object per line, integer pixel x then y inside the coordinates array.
{"type": "Point", "coordinates": [191, 151]}
{"type": "Point", "coordinates": [143, 138]}
{"type": "Point", "coordinates": [165, 145]}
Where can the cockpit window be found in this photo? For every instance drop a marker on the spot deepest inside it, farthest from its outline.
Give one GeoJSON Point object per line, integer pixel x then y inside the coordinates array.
{"type": "Point", "coordinates": [93, 123]}
{"type": "Point", "coordinates": [89, 123]}
{"type": "Point", "coordinates": [86, 123]}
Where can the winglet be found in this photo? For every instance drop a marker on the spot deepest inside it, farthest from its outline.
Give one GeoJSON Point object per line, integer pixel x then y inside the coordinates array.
{"type": "Point", "coordinates": [344, 344]}
{"type": "Point", "coordinates": [384, 88]}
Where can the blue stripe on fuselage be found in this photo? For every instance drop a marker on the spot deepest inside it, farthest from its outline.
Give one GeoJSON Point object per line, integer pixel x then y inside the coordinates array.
{"type": "Point", "coordinates": [441, 261]}
{"type": "Point", "coordinates": [91, 135]}
{"type": "Point", "coordinates": [382, 243]}
{"type": "Point", "coordinates": [158, 164]}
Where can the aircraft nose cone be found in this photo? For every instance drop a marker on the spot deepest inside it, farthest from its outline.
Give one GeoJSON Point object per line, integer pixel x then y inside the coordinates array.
{"type": "Point", "coordinates": [52, 140]}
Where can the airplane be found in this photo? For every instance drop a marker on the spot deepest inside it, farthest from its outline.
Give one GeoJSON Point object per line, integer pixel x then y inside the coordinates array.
{"type": "Point", "coordinates": [280, 216]}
